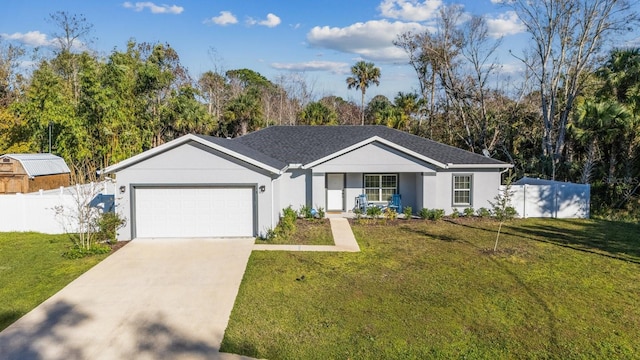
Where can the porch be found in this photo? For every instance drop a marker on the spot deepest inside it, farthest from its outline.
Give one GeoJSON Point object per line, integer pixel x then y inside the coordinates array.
{"type": "Point", "coordinates": [344, 192]}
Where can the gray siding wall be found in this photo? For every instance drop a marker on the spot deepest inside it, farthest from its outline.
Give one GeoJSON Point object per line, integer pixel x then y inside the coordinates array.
{"type": "Point", "coordinates": [408, 189]}
{"type": "Point", "coordinates": [353, 190]}
{"type": "Point", "coordinates": [373, 158]}
{"type": "Point", "coordinates": [319, 191]}
{"type": "Point", "coordinates": [295, 189]}
{"type": "Point", "coordinates": [193, 165]}
{"type": "Point", "coordinates": [438, 190]}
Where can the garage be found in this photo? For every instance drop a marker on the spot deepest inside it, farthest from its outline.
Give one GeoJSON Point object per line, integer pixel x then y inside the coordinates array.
{"type": "Point", "coordinates": [173, 212]}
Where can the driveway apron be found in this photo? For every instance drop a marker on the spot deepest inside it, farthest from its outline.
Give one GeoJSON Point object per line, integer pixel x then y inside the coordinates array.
{"type": "Point", "coordinates": [152, 299]}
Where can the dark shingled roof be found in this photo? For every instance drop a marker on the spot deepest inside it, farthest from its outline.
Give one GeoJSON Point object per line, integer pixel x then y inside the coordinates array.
{"type": "Point", "coordinates": [305, 144]}
{"type": "Point", "coordinates": [242, 149]}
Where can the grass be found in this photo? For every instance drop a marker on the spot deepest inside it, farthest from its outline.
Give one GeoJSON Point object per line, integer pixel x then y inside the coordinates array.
{"type": "Point", "coordinates": [559, 289]}
{"type": "Point", "coordinates": [307, 232]}
{"type": "Point", "coordinates": [32, 269]}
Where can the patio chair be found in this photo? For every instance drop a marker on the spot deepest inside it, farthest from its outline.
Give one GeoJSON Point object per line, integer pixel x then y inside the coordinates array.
{"type": "Point", "coordinates": [362, 202]}
{"type": "Point", "coordinates": [396, 203]}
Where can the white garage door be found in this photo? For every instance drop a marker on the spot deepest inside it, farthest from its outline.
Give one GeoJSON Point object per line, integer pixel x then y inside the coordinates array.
{"type": "Point", "coordinates": [193, 212]}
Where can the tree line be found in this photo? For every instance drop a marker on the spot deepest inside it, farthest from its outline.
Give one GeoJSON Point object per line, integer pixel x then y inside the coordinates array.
{"type": "Point", "coordinates": [574, 115]}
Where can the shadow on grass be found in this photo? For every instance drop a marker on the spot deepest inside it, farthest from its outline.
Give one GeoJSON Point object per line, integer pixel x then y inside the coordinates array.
{"type": "Point", "coordinates": [425, 232]}
{"type": "Point", "coordinates": [616, 240]}
{"type": "Point", "coordinates": [8, 317]}
{"type": "Point", "coordinates": [238, 346]}
{"type": "Point", "coordinates": [551, 318]}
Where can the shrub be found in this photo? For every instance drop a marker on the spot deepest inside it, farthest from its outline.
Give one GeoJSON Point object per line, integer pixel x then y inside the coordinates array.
{"type": "Point", "coordinates": [431, 214]}
{"type": "Point", "coordinates": [108, 225]}
{"type": "Point", "coordinates": [78, 252]}
{"type": "Point", "coordinates": [455, 213]}
{"type": "Point", "coordinates": [408, 212]}
{"type": "Point", "coordinates": [469, 212]}
{"type": "Point", "coordinates": [287, 223]}
{"type": "Point", "coordinates": [483, 212]}
{"type": "Point", "coordinates": [269, 235]}
{"type": "Point", "coordinates": [305, 212]}
{"type": "Point", "coordinates": [320, 213]}
{"type": "Point", "coordinates": [374, 211]}
{"type": "Point", "coordinates": [390, 214]}
{"type": "Point", "coordinates": [437, 214]}
{"type": "Point", "coordinates": [358, 213]}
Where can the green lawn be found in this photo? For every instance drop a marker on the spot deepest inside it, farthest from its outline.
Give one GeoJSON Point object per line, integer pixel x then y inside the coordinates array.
{"type": "Point", "coordinates": [306, 232]}
{"type": "Point", "coordinates": [32, 269]}
{"type": "Point", "coordinates": [562, 289]}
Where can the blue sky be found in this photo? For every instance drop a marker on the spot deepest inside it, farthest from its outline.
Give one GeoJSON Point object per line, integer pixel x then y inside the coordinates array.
{"type": "Point", "coordinates": [319, 39]}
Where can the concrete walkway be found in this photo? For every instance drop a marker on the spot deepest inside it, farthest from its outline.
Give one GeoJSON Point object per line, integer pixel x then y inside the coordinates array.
{"type": "Point", "coordinates": [152, 299]}
{"type": "Point", "coordinates": [342, 237]}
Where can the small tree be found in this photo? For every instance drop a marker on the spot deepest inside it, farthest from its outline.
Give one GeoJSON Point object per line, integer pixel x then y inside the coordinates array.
{"type": "Point", "coordinates": [502, 209]}
{"type": "Point", "coordinates": [88, 226]}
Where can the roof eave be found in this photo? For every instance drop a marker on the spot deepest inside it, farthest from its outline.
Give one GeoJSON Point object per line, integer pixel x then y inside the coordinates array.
{"type": "Point", "coordinates": [479, 166]}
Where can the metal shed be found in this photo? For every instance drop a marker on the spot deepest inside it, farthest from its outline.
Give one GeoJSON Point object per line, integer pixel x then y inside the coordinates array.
{"type": "Point", "coordinates": [23, 173]}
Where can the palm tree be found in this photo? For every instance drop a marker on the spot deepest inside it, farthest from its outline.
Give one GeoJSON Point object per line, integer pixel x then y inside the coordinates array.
{"type": "Point", "coordinates": [601, 125]}
{"type": "Point", "coordinates": [364, 74]}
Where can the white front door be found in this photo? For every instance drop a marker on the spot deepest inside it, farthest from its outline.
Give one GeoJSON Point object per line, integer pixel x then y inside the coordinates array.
{"type": "Point", "coordinates": [335, 192]}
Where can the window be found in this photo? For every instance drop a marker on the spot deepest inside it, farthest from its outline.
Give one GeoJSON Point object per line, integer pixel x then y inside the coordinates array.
{"type": "Point", "coordinates": [380, 187]}
{"type": "Point", "coordinates": [462, 189]}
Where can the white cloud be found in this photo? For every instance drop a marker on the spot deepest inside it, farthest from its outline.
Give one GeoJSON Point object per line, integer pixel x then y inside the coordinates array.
{"type": "Point", "coordinates": [271, 21]}
{"type": "Point", "coordinates": [411, 10]}
{"type": "Point", "coordinates": [372, 40]}
{"type": "Point", "coordinates": [511, 68]}
{"type": "Point", "coordinates": [225, 18]}
{"type": "Point", "coordinates": [505, 24]}
{"type": "Point", "coordinates": [332, 66]}
{"type": "Point", "coordinates": [31, 38]}
{"type": "Point", "coordinates": [155, 9]}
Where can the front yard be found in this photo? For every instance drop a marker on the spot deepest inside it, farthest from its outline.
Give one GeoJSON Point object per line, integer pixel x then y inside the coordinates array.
{"type": "Point", "coordinates": [556, 289]}
{"type": "Point", "coordinates": [32, 269]}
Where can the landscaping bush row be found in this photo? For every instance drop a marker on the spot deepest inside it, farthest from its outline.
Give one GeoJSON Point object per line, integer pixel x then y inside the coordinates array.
{"type": "Point", "coordinates": [437, 214]}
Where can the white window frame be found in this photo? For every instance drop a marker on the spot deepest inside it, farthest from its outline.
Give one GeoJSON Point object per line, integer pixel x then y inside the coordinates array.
{"type": "Point", "coordinates": [380, 188]}
{"type": "Point", "coordinates": [455, 190]}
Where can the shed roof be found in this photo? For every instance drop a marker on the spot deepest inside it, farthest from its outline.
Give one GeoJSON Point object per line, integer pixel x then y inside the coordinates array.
{"type": "Point", "coordinates": [40, 164]}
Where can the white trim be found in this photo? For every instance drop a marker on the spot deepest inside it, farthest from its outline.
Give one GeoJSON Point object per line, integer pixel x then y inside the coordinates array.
{"type": "Point", "coordinates": [478, 166]}
{"type": "Point", "coordinates": [380, 187]}
{"type": "Point", "coordinates": [180, 141]}
{"type": "Point", "coordinates": [453, 189]}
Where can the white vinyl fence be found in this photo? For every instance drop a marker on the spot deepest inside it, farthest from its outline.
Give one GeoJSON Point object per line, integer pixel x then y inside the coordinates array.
{"type": "Point", "coordinates": [554, 199]}
{"type": "Point", "coordinates": [49, 212]}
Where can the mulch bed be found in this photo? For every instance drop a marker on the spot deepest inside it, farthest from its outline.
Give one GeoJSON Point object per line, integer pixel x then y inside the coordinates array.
{"type": "Point", "coordinates": [115, 247]}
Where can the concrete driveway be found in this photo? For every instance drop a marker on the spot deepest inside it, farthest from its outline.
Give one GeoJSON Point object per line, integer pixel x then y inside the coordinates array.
{"type": "Point", "coordinates": [152, 299]}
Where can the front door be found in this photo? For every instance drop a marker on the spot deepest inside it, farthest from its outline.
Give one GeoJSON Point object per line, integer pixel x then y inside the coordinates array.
{"type": "Point", "coordinates": [335, 192]}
